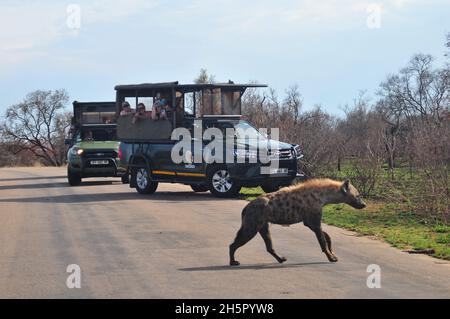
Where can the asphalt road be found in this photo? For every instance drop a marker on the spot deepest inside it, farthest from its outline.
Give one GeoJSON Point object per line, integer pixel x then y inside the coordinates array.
{"type": "Point", "coordinates": [174, 244]}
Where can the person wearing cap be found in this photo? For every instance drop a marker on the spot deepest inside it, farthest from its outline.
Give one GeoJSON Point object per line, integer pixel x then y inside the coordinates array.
{"type": "Point", "coordinates": [141, 113]}
{"type": "Point", "coordinates": [126, 109]}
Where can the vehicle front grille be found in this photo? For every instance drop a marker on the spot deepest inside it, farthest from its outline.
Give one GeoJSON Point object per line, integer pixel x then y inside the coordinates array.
{"type": "Point", "coordinates": [280, 154]}
{"type": "Point", "coordinates": [100, 154]}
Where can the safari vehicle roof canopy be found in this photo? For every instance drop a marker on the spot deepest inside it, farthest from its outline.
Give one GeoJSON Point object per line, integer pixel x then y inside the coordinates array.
{"type": "Point", "coordinates": [94, 113]}
{"type": "Point", "coordinates": [185, 87]}
{"type": "Point", "coordinates": [185, 101]}
{"type": "Point", "coordinates": [196, 100]}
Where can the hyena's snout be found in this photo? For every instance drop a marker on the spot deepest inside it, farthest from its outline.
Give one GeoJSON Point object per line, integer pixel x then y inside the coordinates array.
{"type": "Point", "coordinates": [359, 204]}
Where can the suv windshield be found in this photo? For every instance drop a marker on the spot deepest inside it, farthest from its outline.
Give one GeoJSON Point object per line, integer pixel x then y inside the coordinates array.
{"type": "Point", "coordinates": [242, 129]}
{"type": "Point", "coordinates": [96, 134]}
{"type": "Point", "coordinates": [245, 130]}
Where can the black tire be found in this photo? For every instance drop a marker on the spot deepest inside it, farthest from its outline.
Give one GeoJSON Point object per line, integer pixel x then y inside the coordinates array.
{"type": "Point", "coordinates": [125, 179]}
{"type": "Point", "coordinates": [270, 188]}
{"type": "Point", "coordinates": [221, 184]}
{"type": "Point", "coordinates": [74, 179]}
{"type": "Point", "coordinates": [200, 188]}
{"type": "Point", "coordinates": [144, 184]}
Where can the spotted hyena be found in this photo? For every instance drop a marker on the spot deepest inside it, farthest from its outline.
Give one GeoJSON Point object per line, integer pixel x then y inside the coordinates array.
{"type": "Point", "coordinates": [291, 205]}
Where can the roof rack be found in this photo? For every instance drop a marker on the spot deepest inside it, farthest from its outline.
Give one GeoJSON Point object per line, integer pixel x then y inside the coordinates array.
{"type": "Point", "coordinates": [186, 87]}
{"type": "Point", "coordinates": [221, 116]}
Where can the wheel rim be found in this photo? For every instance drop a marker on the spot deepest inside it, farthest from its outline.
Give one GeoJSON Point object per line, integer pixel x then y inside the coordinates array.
{"type": "Point", "coordinates": [142, 178]}
{"type": "Point", "coordinates": [221, 181]}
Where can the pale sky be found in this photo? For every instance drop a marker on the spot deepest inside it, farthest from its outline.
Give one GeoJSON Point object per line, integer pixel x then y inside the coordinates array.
{"type": "Point", "coordinates": [332, 49]}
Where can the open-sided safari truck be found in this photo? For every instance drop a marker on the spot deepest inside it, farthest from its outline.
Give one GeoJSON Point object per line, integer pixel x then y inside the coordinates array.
{"type": "Point", "coordinates": [93, 145]}
{"type": "Point", "coordinates": [150, 148]}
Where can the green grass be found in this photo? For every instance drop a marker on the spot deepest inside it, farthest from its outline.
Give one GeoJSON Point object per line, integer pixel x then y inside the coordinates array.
{"type": "Point", "coordinates": [389, 222]}
{"type": "Point", "coordinates": [402, 229]}
{"type": "Point", "coordinates": [250, 193]}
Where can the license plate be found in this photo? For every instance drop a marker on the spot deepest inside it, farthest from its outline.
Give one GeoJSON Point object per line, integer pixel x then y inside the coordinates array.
{"type": "Point", "coordinates": [99, 162]}
{"type": "Point", "coordinates": [279, 171]}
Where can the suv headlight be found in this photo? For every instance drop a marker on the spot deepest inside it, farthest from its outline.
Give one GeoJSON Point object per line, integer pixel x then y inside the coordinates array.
{"type": "Point", "coordinates": [77, 151]}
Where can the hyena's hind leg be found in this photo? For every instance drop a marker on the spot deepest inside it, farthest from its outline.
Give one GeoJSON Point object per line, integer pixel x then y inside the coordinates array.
{"type": "Point", "coordinates": [253, 218]}
{"type": "Point", "coordinates": [265, 234]}
{"type": "Point", "coordinates": [243, 236]}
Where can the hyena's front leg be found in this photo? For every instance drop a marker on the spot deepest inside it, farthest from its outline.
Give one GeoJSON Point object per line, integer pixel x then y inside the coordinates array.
{"type": "Point", "coordinates": [324, 240]}
{"type": "Point", "coordinates": [321, 237]}
{"type": "Point", "coordinates": [328, 239]}
{"type": "Point", "coordinates": [265, 234]}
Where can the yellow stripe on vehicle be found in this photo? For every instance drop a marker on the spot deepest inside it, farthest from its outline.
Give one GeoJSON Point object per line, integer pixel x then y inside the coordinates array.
{"type": "Point", "coordinates": [192, 174]}
{"type": "Point", "coordinates": [178, 173]}
{"type": "Point", "coordinates": [163, 173]}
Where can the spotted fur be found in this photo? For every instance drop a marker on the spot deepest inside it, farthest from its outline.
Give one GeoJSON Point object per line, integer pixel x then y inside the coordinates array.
{"type": "Point", "coordinates": [291, 205]}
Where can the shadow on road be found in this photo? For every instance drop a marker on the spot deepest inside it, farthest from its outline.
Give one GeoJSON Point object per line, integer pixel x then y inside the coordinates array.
{"type": "Point", "coordinates": [29, 178]}
{"type": "Point", "coordinates": [168, 197]}
{"type": "Point", "coordinates": [55, 185]}
{"type": "Point", "coordinates": [254, 267]}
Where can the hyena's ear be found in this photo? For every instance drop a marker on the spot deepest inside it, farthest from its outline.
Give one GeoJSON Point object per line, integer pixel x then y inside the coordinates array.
{"type": "Point", "coordinates": [345, 186]}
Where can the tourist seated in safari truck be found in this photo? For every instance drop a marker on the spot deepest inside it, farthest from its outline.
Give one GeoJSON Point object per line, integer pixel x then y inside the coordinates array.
{"type": "Point", "coordinates": [194, 134]}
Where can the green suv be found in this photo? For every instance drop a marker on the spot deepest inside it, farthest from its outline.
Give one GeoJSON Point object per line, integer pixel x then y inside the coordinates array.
{"type": "Point", "coordinates": [93, 148]}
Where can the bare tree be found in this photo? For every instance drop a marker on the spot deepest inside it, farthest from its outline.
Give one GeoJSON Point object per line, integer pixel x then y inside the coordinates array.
{"type": "Point", "coordinates": [415, 104]}
{"type": "Point", "coordinates": [418, 90]}
{"type": "Point", "coordinates": [293, 101]}
{"type": "Point", "coordinates": [392, 130]}
{"type": "Point", "coordinates": [314, 132]}
{"type": "Point", "coordinates": [359, 142]}
{"type": "Point", "coordinates": [38, 125]}
{"type": "Point", "coordinates": [204, 77]}
{"type": "Point", "coordinates": [447, 43]}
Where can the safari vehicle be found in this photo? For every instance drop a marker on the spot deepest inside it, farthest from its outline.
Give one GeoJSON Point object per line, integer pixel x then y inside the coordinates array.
{"type": "Point", "coordinates": [146, 144]}
{"type": "Point", "coordinates": [93, 147]}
